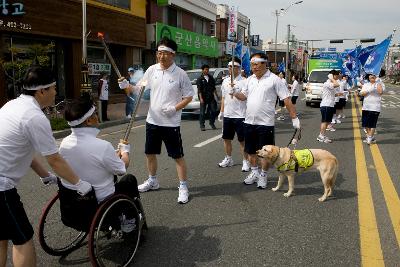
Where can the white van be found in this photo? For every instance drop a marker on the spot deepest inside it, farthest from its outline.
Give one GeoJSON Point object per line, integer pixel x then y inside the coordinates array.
{"type": "Point", "coordinates": [315, 82]}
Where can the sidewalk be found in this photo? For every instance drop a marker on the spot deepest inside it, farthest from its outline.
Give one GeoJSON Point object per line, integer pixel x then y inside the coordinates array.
{"type": "Point", "coordinates": [116, 114]}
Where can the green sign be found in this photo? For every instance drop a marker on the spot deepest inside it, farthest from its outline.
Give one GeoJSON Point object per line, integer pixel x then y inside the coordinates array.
{"type": "Point", "coordinates": [323, 64]}
{"type": "Point", "coordinates": [188, 42]}
{"type": "Point", "coordinates": [162, 2]}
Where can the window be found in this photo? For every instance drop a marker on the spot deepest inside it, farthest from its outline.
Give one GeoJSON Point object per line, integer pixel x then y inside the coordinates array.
{"type": "Point", "coordinates": [125, 4]}
{"type": "Point", "coordinates": [212, 28]}
{"type": "Point", "coordinates": [172, 19]}
{"type": "Point", "coordinates": [197, 25]}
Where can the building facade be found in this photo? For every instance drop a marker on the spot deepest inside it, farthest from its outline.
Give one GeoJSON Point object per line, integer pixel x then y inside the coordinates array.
{"type": "Point", "coordinates": [191, 23]}
{"type": "Point", "coordinates": [51, 32]}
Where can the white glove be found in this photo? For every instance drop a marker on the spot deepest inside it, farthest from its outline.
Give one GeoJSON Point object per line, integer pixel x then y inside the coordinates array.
{"type": "Point", "coordinates": [169, 110]}
{"type": "Point", "coordinates": [221, 116]}
{"type": "Point", "coordinates": [234, 89]}
{"type": "Point", "coordinates": [330, 76]}
{"type": "Point", "coordinates": [123, 84]}
{"type": "Point", "coordinates": [51, 179]}
{"type": "Point", "coordinates": [83, 187]}
{"type": "Point", "coordinates": [124, 148]}
{"type": "Point", "coordinates": [296, 123]}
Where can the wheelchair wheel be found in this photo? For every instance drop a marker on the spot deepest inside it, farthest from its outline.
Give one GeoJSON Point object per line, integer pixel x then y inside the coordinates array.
{"type": "Point", "coordinates": [112, 241]}
{"type": "Point", "coordinates": [54, 237]}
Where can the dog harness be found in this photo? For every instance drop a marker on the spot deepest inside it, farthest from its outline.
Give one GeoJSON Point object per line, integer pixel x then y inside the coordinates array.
{"type": "Point", "coordinates": [298, 158]}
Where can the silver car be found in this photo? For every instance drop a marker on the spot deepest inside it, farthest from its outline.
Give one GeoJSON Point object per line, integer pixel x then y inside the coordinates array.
{"type": "Point", "coordinates": [218, 73]}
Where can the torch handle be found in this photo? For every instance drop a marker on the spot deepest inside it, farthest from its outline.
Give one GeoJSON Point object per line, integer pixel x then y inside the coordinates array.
{"type": "Point", "coordinates": [133, 115]}
{"type": "Point", "coordinates": [111, 59]}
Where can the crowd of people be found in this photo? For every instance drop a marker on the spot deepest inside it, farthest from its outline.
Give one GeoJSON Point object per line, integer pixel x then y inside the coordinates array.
{"type": "Point", "coordinates": [247, 110]}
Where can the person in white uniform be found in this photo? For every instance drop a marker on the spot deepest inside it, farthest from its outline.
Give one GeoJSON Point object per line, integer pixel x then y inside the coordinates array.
{"type": "Point", "coordinates": [24, 131]}
{"type": "Point", "coordinates": [171, 91]}
{"type": "Point", "coordinates": [372, 93]}
{"type": "Point", "coordinates": [327, 106]}
{"type": "Point", "coordinates": [261, 90]}
{"type": "Point", "coordinates": [281, 109]}
{"type": "Point", "coordinates": [294, 89]}
{"type": "Point", "coordinates": [232, 114]}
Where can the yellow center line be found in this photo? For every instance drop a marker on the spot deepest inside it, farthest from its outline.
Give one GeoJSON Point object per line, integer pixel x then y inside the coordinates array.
{"type": "Point", "coordinates": [370, 244]}
{"type": "Point", "coordinates": [389, 191]}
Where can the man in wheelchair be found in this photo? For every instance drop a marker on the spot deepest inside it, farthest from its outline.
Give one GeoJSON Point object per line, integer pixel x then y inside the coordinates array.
{"type": "Point", "coordinates": [97, 163]}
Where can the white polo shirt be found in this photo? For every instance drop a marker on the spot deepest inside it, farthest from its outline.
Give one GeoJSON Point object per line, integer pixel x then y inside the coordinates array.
{"type": "Point", "coordinates": [233, 107]}
{"type": "Point", "coordinates": [94, 160]}
{"type": "Point", "coordinates": [372, 101]}
{"type": "Point", "coordinates": [261, 97]}
{"type": "Point", "coordinates": [328, 94]}
{"type": "Point", "coordinates": [168, 87]}
{"type": "Point", "coordinates": [295, 88]}
{"type": "Point", "coordinates": [24, 130]}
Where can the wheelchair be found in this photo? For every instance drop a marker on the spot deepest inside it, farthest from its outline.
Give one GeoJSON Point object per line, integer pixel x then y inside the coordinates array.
{"type": "Point", "coordinates": [64, 226]}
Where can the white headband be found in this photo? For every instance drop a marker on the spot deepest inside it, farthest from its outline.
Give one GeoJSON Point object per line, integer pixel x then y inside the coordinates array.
{"type": "Point", "coordinates": [83, 118]}
{"type": "Point", "coordinates": [258, 59]}
{"type": "Point", "coordinates": [234, 64]}
{"type": "Point", "coordinates": [165, 48]}
{"type": "Point", "coordinates": [35, 88]}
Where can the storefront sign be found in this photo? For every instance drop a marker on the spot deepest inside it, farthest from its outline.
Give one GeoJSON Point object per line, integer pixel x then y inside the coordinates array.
{"type": "Point", "coordinates": [98, 68]}
{"type": "Point", "coordinates": [14, 25]}
{"type": "Point", "coordinates": [162, 2]}
{"type": "Point", "coordinates": [11, 9]}
{"type": "Point", "coordinates": [188, 42]}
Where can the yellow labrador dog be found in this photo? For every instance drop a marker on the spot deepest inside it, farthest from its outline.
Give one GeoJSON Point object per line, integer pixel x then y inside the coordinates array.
{"type": "Point", "coordinates": [286, 160]}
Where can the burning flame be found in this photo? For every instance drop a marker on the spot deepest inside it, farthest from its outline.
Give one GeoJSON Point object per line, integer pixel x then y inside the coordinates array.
{"type": "Point", "coordinates": [100, 35]}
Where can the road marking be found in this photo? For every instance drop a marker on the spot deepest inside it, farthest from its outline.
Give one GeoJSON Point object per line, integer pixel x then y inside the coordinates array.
{"type": "Point", "coordinates": [370, 245]}
{"type": "Point", "coordinates": [389, 191]}
{"type": "Point", "coordinates": [209, 141]}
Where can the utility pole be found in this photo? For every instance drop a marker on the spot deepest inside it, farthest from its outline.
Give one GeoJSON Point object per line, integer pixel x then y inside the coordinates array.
{"type": "Point", "coordinates": [85, 83]}
{"type": "Point", "coordinates": [287, 55]}
{"type": "Point", "coordinates": [276, 35]}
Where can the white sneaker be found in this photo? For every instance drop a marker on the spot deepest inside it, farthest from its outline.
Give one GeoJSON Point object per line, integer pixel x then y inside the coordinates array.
{"type": "Point", "coordinates": [129, 116]}
{"type": "Point", "coordinates": [183, 196]}
{"type": "Point", "coordinates": [331, 129]}
{"type": "Point", "coordinates": [281, 118]}
{"type": "Point", "coordinates": [333, 121]}
{"type": "Point", "coordinates": [251, 178]}
{"type": "Point", "coordinates": [323, 139]}
{"type": "Point", "coordinates": [226, 162]}
{"type": "Point", "coordinates": [127, 226]}
{"type": "Point", "coordinates": [262, 182]}
{"type": "Point", "coordinates": [246, 166]}
{"type": "Point", "coordinates": [149, 185]}
{"type": "Point", "coordinates": [338, 121]}
{"type": "Point", "coordinates": [343, 116]}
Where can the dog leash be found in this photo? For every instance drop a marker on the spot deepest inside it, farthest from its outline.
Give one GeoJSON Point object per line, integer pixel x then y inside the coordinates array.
{"type": "Point", "coordinates": [294, 140]}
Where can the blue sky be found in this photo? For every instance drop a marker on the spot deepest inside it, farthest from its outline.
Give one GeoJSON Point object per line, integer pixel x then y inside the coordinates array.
{"type": "Point", "coordinates": [321, 19]}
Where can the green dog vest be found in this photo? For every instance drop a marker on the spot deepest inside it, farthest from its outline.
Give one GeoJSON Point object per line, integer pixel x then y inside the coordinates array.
{"type": "Point", "coordinates": [305, 159]}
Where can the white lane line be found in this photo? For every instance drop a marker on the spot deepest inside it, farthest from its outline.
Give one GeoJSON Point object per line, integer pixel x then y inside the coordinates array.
{"type": "Point", "coordinates": [209, 141]}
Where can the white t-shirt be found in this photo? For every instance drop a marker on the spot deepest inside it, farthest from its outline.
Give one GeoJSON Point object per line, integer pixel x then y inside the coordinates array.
{"type": "Point", "coordinates": [24, 130]}
{"type": "Point", "coordinates": [294, 91]}
{"type": "Point", "coordinates": [233, 107]}
{"type": "Point", "coordinates": [168, 87]}
{"type": "Point", "coordinates": [104, 90]}
{"type": "Point", "coordinates": [328, 94]}
{"type": "Point", "coordinates": [372, 101]}
{"type": "Point", "coordinates": [261, 97]}
{"type": "Point", "coordinates": [94, 160]}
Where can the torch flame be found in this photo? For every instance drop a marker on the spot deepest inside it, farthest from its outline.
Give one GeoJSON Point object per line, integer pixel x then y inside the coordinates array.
{"type": "Point", "coordinates": [100, 35]}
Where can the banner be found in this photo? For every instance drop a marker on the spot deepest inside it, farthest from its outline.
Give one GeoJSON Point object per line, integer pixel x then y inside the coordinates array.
{"type": "Point", "coordinates": [375, 59]}
{"type": "Point", "coordinates": [232, 24]}
{"type": "Point", "coordinates": [364, 54]}
{"type": "Point", "coordinates": [246, 62]}
{"type": "Point", "coordinates": [188, 42]}
{"type": "Point", "coordinates": [162, 2]}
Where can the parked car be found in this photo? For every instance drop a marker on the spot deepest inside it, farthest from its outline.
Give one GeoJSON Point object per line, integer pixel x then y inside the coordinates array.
{"type": "Point", "coordinates": [218, 73]}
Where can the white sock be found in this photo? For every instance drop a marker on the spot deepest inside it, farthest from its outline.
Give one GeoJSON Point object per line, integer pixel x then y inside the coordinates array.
{"type": "Point", "coordinates": [152, 178]}
{"type": "Point", "coordinates": [263, 173]}
{"type": "Point", "coordinates": [254, 169]}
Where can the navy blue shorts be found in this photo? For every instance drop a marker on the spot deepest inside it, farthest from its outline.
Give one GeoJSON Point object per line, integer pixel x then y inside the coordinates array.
{"type": "Point", "coordinates": [327, 114]}
{"type": "Point", "coordinates": [232, 126]}
{"type": "Point", "coordinates": [171, 136]}
{"type": "Point", "coordinates": [14, 223]}
{"type": "Point", "coordinates": [257, 136]}
{"type": "Point", "coordinates": [294, 99]}
{"type": "Point", "coordinates": [369, 118]}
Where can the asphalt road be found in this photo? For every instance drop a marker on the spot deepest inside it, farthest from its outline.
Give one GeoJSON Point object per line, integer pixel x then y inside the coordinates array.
{"type": "Point", "coordinates": [227, 223]}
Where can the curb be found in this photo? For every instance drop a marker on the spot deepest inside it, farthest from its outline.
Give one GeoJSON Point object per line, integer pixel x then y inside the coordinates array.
{"type": "Point", "coordinates": [103, 125]}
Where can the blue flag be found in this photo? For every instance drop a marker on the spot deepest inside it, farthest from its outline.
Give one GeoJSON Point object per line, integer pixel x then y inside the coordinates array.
{"type": "Point", "coordinates": [373, 64]}
{"type": "Point", "coordinates": [281, 67]}
{"type": "Point", "coordinates": [238, 50]}
{"type": "Point", "coordinates": [246, 62]}
{"type": "Point", "coordinates": [364, 54]}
